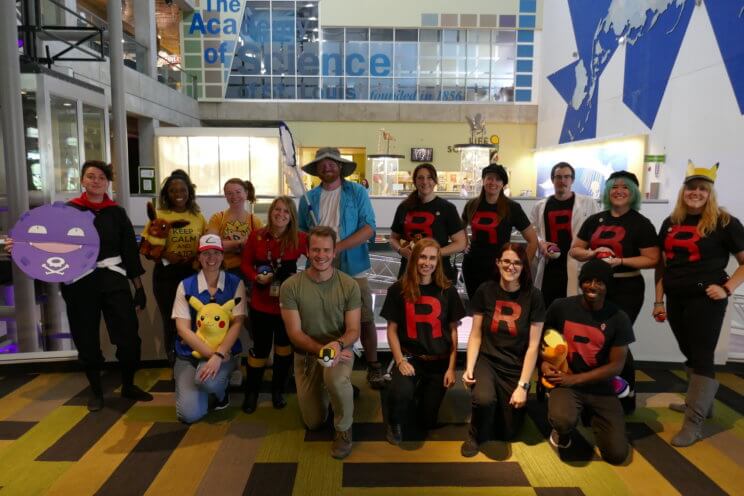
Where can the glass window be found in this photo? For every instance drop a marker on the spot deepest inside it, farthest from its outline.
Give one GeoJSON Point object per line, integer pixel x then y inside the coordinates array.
{"type": "Point", "coordinates": [31, 135]}
{"type": "Point", "coordinates": [203, 156]}
{"type": "Point", "coordinates": [405, 88]}
{"type": "Point", "coordinates": [94, 133]}
{"type": "Point", "coordinates": [308, 88]}
{"type": "Point", "coordinates": [381, 34]}
{"type": "Point", "coordinates": [454, 52]}
{"type": "Point", "coordinates": [253, 53]}
{"type": "Point", "coordinates": [248, 87]}
{"type": "Point", "coordinates": [380, 59]}
{"type": "Point", "coordinates": [406, 35]}
{"type": "Point", "coordinates": [357, 57]}
{"type": "Point", "coordinates": [283, 88]}
{"type": "Point", "coordinates": [453, 90]}
{"type": "Point", "coordinates": [477, 90]}
{"type": "Point", "coordinates": [332, 88]}
{"type": "Point", "coordinates": [332, 48]}
{"type": "Point", "coordinates": [381, 89]}
{"type": "Point", "coordinates": [65, 147]}
{"type": "Point", "coordinates": [357, 34]}
{"type": "Point", "coordinates": [234, 157]}
{"type": "Point", "coordinates": [406, 55]}
{"type": "Point", "coordinates": [357, 88]}
{"type": "Point", "coordinates": [429, 89]}
{"type": "Point", "coordinates": [283, 38]}
{"type": "Point", "coordinates": [265, 165]}
{"type": "Point", "coordinates": [479, 53]}
{"type": "Point", "coordinates": [307, 32]}
{"type": "Point", "coordinates": [173, 153]}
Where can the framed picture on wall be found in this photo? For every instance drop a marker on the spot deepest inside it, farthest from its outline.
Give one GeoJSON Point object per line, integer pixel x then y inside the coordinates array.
{"type": "Point", "coordinates": [422, 154]}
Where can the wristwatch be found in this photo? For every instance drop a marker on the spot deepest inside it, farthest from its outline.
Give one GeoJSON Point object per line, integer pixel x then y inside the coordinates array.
{"type": "Point", "coordinates": [524, 385]}
{"type": "Point", "coordinates": [340, 345]}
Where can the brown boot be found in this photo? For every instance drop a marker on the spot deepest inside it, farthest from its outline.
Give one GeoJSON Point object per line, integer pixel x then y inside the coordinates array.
{"type": "Point", "coordinates": [341, 446]}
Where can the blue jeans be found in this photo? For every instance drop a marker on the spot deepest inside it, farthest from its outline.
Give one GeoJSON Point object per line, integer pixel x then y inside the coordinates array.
{"type": "Point", "coordinates": [192, 395]}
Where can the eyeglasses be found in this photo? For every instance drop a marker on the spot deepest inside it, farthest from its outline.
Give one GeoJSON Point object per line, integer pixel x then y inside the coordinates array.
{"type": "Point", "coordinates": [517, 264]}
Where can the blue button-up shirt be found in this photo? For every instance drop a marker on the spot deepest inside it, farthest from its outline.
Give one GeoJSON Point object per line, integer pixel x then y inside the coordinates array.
{"type": "Point", "coordinates": [356, 212]}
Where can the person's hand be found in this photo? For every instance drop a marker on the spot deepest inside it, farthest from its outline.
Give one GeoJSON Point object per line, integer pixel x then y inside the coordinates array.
{"type": "Point", "coordinates": [405, 368]}
{"type": "Point", "coordinates": [543, 246]}
{"type": "Point", "coordinates": [264, 279]}
{"type": "Point", "coordinates": [210, 368]}
{"type": "Point", "coordinates": [605, 250]}
{"type": "Point", "coordinates": [613, 261]}
{"type": "Point", "coordinates": [405, 252]}
{"type": "Point", "coordinates": [8, 247]}
{"type": "Point", "coordinates": [559, 378]}
{"type": "Point", "coordinates": [657, 310]}
{"type": "Point", "coordinates": [140, 299]}
{"type": "Point", "coordinates": [467, 378]}
{"type": "Point", "coordinates": [345, 356]}
{"type": "Point", "coordinates": [518, 398]}
{"type": "Point", "coordinates": [467, 248]}
{"type": "Point", "coordinates": [449, 378]}
{"type": "Point", "coordinates": [716, 292]}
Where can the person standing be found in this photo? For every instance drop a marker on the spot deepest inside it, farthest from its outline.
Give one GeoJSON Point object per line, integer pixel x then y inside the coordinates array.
{"type": "Point", "coordinates": [508, 314]}
{"type": "Point", "coordinates": [626, 240]}
{"type": "Point", "coordinates": [423, 311]}
{"type": "Point", "coordinates": [321, 311]}
{"type": "Point", "coordinates": [197, 378]}
{"type": "Point", "coordinates": [344, 206]}
{"type": "Point", "coordinates": [177, 201]}
{"type": "Point", "coordinates": [105, 290]}
{"type": "Point", "coordinates": [697, 240]}
{"type": "Point", "coordinates": [557, 220]}
{"type": "Point", "coordinates": [269, 258]}
{"type": "Point", "coordinates": [597, 334]}
{"type": "Point", "coordinates": [425, 215]}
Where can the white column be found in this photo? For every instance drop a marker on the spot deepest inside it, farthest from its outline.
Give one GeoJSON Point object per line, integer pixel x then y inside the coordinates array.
{"type": "Point", "coordinates": [119, 152]}
{"type": "Point", "coordinates": [145, 32]}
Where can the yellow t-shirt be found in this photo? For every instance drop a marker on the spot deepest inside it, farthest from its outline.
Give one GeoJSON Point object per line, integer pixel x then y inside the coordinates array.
{"type": "Point", "coordinates": [182, 242]}
{"type": "Point", "coordinates": [233, 230]}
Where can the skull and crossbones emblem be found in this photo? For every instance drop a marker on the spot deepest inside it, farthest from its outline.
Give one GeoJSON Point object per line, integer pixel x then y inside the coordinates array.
{"type": "Point", "coordinates": [55, 265]}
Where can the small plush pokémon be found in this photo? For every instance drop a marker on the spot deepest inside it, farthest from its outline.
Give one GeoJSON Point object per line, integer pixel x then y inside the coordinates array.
{"type": "Point", "coordinates": [212, 321]}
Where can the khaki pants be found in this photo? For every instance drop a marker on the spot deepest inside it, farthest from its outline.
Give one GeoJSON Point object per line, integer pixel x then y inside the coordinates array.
{"type": "Point", "coordinates": [316, 385]}
{"type": "Point", "coordinates": [367, 313]}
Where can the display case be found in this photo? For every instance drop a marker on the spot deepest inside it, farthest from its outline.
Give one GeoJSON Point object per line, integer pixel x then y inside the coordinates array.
{"type": "Point", "coordinates": [473, 159]}
{"type": "Point", "coordinates": [385, 169]}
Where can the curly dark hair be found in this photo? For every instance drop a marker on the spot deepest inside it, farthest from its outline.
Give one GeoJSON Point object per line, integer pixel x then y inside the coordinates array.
{"type": "Point", "coordinates": [180, 175]}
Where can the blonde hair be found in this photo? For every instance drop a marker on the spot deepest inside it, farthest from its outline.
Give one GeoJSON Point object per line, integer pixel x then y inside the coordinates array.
{"type": "Point", "coordinates": [410, 280]}
{"type": "Point", "coordinates": [710, 217]}
{"type": "Point", "coordinates": [289, 238]}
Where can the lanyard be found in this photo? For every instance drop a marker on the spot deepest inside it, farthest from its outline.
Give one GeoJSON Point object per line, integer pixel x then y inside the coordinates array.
{"type": "Point", "coordinates": [268, 254]}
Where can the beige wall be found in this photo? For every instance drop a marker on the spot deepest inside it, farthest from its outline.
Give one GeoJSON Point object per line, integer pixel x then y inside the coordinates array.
{"type": "Point", "coordinates": [516, 148]}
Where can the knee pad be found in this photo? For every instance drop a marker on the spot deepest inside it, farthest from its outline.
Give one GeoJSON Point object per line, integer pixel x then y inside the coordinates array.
{"type": "Point", "coordinates": [282, 351]}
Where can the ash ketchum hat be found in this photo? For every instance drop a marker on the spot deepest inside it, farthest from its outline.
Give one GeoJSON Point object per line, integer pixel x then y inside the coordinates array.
{"type": "Point", "coordinates": [701, 173]}
{"type": "Point", "coordinates": [347, 166]}
{"type": "Point", "coordinates": [210, 242]}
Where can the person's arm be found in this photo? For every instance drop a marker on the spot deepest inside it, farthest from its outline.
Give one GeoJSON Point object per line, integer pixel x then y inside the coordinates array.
{"type": "Point", "coordinates": [299, 339]}
{"type": "Point", "coordinates": [449, 376]}
{"type": "Point", "coordinates": [458, 244]}
{"type": "Point", "coordinates": [358, 237]}
{"type": "Point", "coordinates": [602, 373]}
{"type": "Point", "coordinates": [352, 328]}
{"type": "Point", "coordinates": [247, 262]}
{"type": "Point", "coordinates": [183, 327]}
{"type": "Point", "coordinates": [519, 396]}
{"type": "Point", "coordinates": [474, 344]}
{"type": "Point", "coordinates": [530, 235]}
{"type": "Point", "coordinates": [659, 288]}
{"type": "Point", "coordinates": [404, 366]}
{"type": "Point", "coordinates": [718, 291]}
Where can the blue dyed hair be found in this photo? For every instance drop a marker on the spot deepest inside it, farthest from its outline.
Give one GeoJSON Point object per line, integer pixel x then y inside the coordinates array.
{"type": "Point", "coordinates": [635, 194]}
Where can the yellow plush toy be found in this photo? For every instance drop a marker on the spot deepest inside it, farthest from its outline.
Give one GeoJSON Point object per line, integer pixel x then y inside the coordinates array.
{"type": "Point", "coordinates": [554, 350]}
{"type": "Point", "coordinates": [212, 322]}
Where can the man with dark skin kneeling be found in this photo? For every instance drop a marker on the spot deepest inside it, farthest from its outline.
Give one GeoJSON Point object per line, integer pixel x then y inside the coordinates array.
{"type": "Point", "coordinates": [597, 334]}
{"type": "Point", "coordinates": [321, 308]}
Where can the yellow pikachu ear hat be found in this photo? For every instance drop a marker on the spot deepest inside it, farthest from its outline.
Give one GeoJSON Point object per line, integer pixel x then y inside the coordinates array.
{"type": "Point", "coordinates": [700, 173]}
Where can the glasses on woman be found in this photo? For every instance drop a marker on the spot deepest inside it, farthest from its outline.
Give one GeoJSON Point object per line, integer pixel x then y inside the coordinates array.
{"type": "Point", "coordinates": [516, 264]}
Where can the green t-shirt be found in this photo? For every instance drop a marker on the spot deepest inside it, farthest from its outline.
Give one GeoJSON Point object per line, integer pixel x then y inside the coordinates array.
{"type": "Point", "coordinates": [321, 305]}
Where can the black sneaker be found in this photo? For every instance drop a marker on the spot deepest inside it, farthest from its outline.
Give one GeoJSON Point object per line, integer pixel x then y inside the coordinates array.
{"type": "Point", "coordinates": [133, 392]}
{"type": "Point", "coordinates": [224, 402]}
{"type": "Point", "coordinates": [394, 434]}
{"type": "Point", "coordinates": [375, 376]}
{"type": "Point", "coordinates": [250, 401]}
{"type": "Point", "coordinates": [559, 442]}
{"type": "Point", "coordinates": [470, 448]}
{"type": "Point", "coordinates": [95, 403]}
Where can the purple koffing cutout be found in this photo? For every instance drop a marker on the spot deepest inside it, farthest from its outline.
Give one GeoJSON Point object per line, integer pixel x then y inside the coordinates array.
{"type": "Point", "coordinates": [55, 243]}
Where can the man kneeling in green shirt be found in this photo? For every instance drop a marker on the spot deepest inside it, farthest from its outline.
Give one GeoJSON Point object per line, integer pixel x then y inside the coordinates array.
{"type": "Point", "coordinates": [321, 308]}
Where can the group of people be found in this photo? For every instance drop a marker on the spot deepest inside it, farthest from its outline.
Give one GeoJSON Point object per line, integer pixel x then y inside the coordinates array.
{"type": "Point", "coordinates": [579, 273]}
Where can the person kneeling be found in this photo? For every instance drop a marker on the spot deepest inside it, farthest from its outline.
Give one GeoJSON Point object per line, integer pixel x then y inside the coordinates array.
{"type": "Point", "coordinates": [321, 309]}
{"type": "Point", "coordinates": [201, 368]}
{"type": "Point", "coordinates": [508, 313]}
{"type": "Point", "coordinates": [423, 310]}
{"type": "Point", "coordinates": [597, 335]}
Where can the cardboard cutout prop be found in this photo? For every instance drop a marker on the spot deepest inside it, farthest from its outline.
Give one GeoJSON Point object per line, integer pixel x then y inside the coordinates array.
{"type": "Point", "coordinates": [55, 243]}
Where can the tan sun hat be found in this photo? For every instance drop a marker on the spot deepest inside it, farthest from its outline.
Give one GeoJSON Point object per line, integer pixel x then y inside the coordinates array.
{"type": "Point", "coordinates": [347, 166]}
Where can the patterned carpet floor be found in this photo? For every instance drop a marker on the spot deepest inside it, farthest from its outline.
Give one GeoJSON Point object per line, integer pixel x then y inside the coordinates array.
{"type": "Point", "coordinates": [51, 444]}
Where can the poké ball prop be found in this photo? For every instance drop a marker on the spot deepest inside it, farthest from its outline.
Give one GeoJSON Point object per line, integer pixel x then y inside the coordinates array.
{"type": "Point", "coordinates": [603, 254]}
{"type": "Point", "coordinates": [660, 317]}
{"type": "Point", "coordinates": [620, 386]}
{"type": "Point", "coordinates": [326, 356]}
{"type": "Point", "coordinates": [553, 252]}
{"type": "Point", "coordinates": [55, 243]}
{"type": "Point", "coordinates": [264, 269]}
{"type": "Point", "coordinates": [212, 322]}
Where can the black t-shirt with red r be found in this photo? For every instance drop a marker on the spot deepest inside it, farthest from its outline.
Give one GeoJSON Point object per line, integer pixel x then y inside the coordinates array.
{"type": "Point", "coordinates": [490, 232]}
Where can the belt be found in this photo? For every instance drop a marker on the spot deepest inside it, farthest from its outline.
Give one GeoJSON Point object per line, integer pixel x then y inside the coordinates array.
{"type": "Point", "coordinates": [623, 275]}
{"type": "Point", "coordinates": [111, 263]}
{"type": "Point", "coordinates": [427, 358]}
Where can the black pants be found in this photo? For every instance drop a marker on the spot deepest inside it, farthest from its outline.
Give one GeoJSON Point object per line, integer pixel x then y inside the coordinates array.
{"type": "Point", "coordinates": [628, 294]}
{"type": "Point", "coordinates": [425, 388]}
{"type": "Point", "coordinates": [555, 281]}
{"type": "Point", "coordinates": [476, 271]}
{"type": "Point", "coordinates": [565, 407]}
{"type": "Point", "coordinates": [108, 293]}
{"type": "Point", "coordinates": [265, 329]}
{"type": "Point", "coordinates": [696, 322]}
{"type": "Point", "coordinates": [165, 280]}
{"type": "Point", "coordinates": [493, 417]}
{"type": "Point", "coordinates": [450, 271]}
